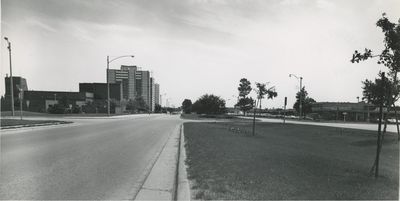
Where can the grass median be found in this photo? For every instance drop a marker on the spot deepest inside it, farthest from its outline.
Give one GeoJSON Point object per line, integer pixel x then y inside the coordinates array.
{"type": "Point", "coordinates": [288, 162]}
{"type": "Point", "coordinates": [26, 123]}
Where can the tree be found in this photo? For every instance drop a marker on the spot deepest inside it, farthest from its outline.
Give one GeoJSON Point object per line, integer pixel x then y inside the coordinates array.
{"type": "Point", "coordinates": [244, 87]}
{"type": "Point", "coordinates": [383, 91]}
{"type": "Point", "coordinates": [389, 57]}
{"type": "Point", "coordinates": [244, 103]}
{"type": "Point", "coordinates": [157, 108]}
{"type": "Point", "coordinates": [187, 106]}
{"type": "Point", "coordinates": [136, 105]}
{"type": "Point", "coordinates": [305, 100]}
{"type": "Point", "coordinates": [209, 104]}
{"type": "Point", "coordinates": [262, 90]}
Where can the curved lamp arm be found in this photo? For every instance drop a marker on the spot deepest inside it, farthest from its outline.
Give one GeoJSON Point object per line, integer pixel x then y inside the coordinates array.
{"type": "Point", "coordinates": [120, 57]}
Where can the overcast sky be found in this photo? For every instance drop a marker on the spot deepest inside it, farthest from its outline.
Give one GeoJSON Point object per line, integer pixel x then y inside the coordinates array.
{"type": "Point", "coordinates": [195, 47]}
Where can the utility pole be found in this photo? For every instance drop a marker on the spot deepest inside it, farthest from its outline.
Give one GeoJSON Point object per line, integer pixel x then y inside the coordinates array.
{"type": "Point", "coordinates": [11, 77]}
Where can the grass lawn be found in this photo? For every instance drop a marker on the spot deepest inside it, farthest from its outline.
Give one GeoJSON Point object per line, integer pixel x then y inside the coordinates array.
{"type": "Point", "coordinates": [288, 162]}
{"type": "Point", "coordinates": [17, 122]}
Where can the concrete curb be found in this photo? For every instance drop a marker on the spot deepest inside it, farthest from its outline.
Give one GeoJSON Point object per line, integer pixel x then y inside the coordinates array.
{"type": "Point", "coordinates": [183, 185]}
{"type": "Point", "coordinates": [160, 184]}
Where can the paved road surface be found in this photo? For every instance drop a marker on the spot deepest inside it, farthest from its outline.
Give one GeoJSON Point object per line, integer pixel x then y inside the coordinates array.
{"type": "Point", "coordinates": [94, 158]}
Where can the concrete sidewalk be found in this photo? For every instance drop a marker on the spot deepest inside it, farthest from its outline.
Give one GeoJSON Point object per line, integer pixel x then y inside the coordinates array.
{"type": "Point", "coordinates": [161, 183]}
{"type": "Point", "coordinates": [362, 126]}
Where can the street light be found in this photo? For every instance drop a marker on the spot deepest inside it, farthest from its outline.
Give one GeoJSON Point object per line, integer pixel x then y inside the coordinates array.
{"type": "Point", "coordinates": [108, 83]}
{"type": "Point", "coordinates": [300, 101]}
{"type": "Point", "coordinates": [11, 77]}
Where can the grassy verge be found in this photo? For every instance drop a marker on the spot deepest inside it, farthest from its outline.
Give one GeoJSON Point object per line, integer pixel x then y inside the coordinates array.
{"type": "Point", "coordinates": [286, 162]}
{"type": "Point", "coordinates": [223, 117]}
{"type": "Point", "coordinates": [27, 113]}
{"type": "Point", "coordinates": [18, 122]}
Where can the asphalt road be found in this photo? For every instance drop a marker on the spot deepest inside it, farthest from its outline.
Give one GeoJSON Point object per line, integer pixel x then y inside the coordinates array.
{"type": "Point", "coordinates": [95, 158]}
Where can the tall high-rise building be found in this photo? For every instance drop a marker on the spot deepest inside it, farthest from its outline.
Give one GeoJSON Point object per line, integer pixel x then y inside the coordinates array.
{"type": "Point", "coordinates": [18, 83]}
{"type": "Point", "coordinates": [99, 90]}
{"type": "Point", "coordinates": [157, 94]}
{"type": "Point", "coordinates": [143, 86]}
{"type": "Point", "coordinates": [135, 83]}
{"type": "Point", "coordinates": [125, 76]}
{"type": "Point", "coordinates": [152, 93]}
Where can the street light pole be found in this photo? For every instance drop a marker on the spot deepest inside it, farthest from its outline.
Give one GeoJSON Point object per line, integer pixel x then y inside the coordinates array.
{"type": "Point", "coordinates": [108, 86]}
{"type": "Point", "coordinates": [161, 95]}
{"type": "Point", "coordinates": [11, 77]}
{"type": "Point", "coordinates": [300, 95]}
{"type": "Point", "coordinates": [21, 97]}
{"type": "Point", "coordinates": [301, 100]}
{"type": "Point", "coordinates": [108, 83]}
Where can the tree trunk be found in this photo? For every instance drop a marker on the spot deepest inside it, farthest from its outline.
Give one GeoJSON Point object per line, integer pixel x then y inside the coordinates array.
{"type": "Point", "coordinates": [379, 145]}
{"type": "Point", "coordinates": [385, 116]}
{"type": "Point", "coordinates": [254, 121]}
{"type": "Point", "coordinates": [378, 142]}
{"type": "Point", "coordinates": [397, 122]}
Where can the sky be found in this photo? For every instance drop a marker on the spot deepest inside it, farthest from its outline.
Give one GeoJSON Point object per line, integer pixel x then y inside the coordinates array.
{"type": "Point", "coordinates": [194, 47]}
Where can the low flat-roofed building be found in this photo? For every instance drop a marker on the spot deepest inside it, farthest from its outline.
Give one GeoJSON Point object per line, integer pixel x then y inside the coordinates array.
{"type": "Point", "coordinates": [39, 101]}
{"type": "Point", "coordinates": [360, 111]}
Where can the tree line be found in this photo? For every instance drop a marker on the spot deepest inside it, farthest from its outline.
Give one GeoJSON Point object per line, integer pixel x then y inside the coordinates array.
{"type": "Point", "coordinates": [212, 104]}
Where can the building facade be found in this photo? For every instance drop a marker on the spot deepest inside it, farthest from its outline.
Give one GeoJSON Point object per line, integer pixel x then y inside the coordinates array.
{"type": "Point", "coordinates": [18, 83]}
{"type": "Point", "coordinates": [126, 77]}
{"type": "Point", "coordinates": [143, 86]}
{"type": "Point", "coordinates": [135, 83]}
{"type": "Point", "coordinates": [40, 101]}
{"type": "Point", "coordinates": [344, 111]}
{"type": "Point", "coordinates": [152, 94]}
{"type": "Point", "coordinates": [99, 90]}
{"type": "Point", "coordinates": [157, 94]}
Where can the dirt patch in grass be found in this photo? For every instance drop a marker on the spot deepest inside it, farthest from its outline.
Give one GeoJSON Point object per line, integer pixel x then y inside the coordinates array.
{"type": "Point", "coordinates": [286, 162]}
{"type": "Point", "coordinates": [18, 122]}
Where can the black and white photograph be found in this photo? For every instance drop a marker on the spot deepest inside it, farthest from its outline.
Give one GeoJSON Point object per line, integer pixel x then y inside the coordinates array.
{"type": "Point", "coordinates": [200, 99]}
